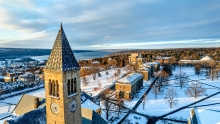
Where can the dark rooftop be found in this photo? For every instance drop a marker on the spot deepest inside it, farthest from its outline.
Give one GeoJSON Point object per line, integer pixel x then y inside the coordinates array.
{"type": "Point", "coordinates": [62, 57]}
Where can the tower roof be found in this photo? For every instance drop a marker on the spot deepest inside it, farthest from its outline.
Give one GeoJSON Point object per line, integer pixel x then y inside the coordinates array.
{"type": "Point", "coordinates": [62, 57]}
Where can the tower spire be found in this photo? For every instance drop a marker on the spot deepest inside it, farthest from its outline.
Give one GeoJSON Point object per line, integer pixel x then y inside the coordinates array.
{"type": "Point", "coordinates": [61, 56]}
{"type": "Point", "coordinates": [61, 27]}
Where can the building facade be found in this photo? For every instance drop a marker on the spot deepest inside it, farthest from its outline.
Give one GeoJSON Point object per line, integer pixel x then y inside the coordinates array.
{"type": "Point", "coordinates": [127, 86]}
{"type": "Point", "coordinates": [133, 58]}
{"type": "Point", "coordinates": [145, 72]}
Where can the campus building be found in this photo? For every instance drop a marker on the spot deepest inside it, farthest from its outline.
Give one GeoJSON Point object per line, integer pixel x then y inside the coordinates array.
{"type": "Point", "coordinates": [162, 60]}
{"type": "Point", "coordinates": [127, 86]}
{"type": "Point", "coordinates": [146, 73]}
{"type": "Point", "coordinates": [146, 69]}
{"type": "Point", "coordinates": [134, 57]}
{"type": "Point", "coordinates": [204, 59]}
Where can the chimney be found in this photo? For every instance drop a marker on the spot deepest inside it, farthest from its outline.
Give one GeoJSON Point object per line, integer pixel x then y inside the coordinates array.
{"type": "Point", "coordinates": [36, 103]}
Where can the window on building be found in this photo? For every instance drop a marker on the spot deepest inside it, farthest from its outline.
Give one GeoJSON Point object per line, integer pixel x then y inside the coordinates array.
{"type": "Point", "coordinates": [72, 86]}
{"type": "Point", "coordinates": [53, 88]}
{"type": "Point", "coordinates": [50, 87]}
{"type": "Point", "coordinates": [57, 88]}
{"type": "Point", "coordinates": [68, 85]}
{"type": "Point", "coordinates": [75, 86]}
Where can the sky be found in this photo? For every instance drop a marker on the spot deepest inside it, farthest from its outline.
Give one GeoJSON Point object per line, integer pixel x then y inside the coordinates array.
{"type": "Point", "coordinates": [111, 24]}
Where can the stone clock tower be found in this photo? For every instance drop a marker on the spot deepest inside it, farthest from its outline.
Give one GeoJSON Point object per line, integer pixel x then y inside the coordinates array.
{"type": "Point", "coordinates": [62, 84]}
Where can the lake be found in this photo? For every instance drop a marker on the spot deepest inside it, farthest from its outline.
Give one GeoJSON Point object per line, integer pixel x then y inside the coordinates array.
{"type": "Point", "coordinates": [80, 56]}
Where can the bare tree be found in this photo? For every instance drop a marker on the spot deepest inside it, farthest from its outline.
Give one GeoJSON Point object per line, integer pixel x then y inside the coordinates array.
{"type": "Point", "coordinates": [85, 80]}
{"type": "Point", "coordinates": [198, 68]}
{"type": "Point", "coordinates": [181, 79]}
{"type": "Point", "coordinates": [195, 90]}
{"type": "Point", "coordinates": [217, 70]}
{"type": "Point", "coordinates": [156, 90]}
{"type": "Point", "coordinates": [99, 74]}
{"type": "Point", "coordinates": [106, 73]}
{"type": "Point", "coordinates": [118, 71]}
{"type": "Point", "coordinates": [119, 104]}
{"type": "Point", "coordinates": [144, 100]}
{"type": "Point", "coordinates": [99, 84]}
{"type": "Point", "coordinates": [115, 75]}
{"type": "Point", "coordinates": [170, 97]}
{"type": "Point", "coordinates": [212, 66]}
{"type": "Point", "coordinates": [162, 80]}
{"type": "Point", "coordinates": [107, 105]}
{"type": "Point", "coordinates": [94, 71]}
{"type": "Point", "coordinates": [164, 75]}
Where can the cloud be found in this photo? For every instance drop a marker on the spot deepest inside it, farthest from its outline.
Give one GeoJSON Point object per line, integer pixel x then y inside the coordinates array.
{"type": "Point", "coordinates": [92, 23]}
{"type": "Point", "coordinates": [160, 44]}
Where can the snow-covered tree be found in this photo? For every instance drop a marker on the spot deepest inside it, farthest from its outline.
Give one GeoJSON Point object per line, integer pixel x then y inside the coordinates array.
{"type": "Point", "coordinates": [195, 90]}
{"type": "Point", "coordinates": [181, 79]}
{"type": "Point", "coordinates": [170, 97]}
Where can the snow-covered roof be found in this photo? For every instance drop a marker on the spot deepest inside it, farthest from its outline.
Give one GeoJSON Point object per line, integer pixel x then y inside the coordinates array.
{"type": "Point", "coordinates": [37, 116]}
{"type": "Point", "coordinates": [95, 62]}
{"type": "Point", "coordinates": [189, 60]}
{"type": "Point", "coordinates": [206, 58]}
{"type": "Point", "coordinates": [166, 57]}
{"type": "Point", "coordinates": [153, 63]}
{"type": "Point", "coordinates": [160, 57]}
{"type": "Point", "coordinates": [207, 116]}
{"type": "Point", "coordinates": [144, 69]}
{"type": "Point", "coordinates": [26, 104]}
{"type": "Point", "coordinates": [131, 78]}
{"type": "Point", "coordinates": [7, 77]}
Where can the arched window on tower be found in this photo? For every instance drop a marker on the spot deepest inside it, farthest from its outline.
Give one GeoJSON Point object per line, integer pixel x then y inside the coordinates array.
{"type": "Point", "coordinates": [50, 87]}
{"type": "Point", "coordinates": [75, 86]}
{"type": "Point", "coordinates": [57, 88]}
{"type": "Point", "coordinates": [68, 86]}
{"type": "Point", "coordinates": [53, 88]}
{"type": "Point", "coordinates": [72, 86]}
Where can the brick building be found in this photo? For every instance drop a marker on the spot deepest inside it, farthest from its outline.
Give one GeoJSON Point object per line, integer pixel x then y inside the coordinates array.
{"type": "Point", "coordinates": [127, 86]}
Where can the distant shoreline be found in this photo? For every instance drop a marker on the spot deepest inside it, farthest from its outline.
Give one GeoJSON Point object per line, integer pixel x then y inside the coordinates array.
{"type": "Point", "coordinates": [10, 54]}
{"type": "Point", "coordinates": [13, 53]}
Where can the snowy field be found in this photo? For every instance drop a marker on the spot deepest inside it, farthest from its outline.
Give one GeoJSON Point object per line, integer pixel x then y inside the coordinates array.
{"type": "Point", "coordinates": [159, 106]}
{"type": "Point", "coordinates": [94, 84]}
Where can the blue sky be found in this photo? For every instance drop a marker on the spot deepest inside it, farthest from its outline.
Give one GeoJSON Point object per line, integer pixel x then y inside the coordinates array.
{"type": "Point", "coordinates": [111, 24]}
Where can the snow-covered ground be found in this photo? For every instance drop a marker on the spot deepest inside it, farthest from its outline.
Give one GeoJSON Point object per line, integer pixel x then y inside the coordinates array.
{"type": "Point", "coordinates": [153, 106]}
{"type": "Point", "coordinates": [159, 107]}
{"type": "Point", "coordinates": [94, 84]}
{"type": "Point", "coordinates": [6, 108]}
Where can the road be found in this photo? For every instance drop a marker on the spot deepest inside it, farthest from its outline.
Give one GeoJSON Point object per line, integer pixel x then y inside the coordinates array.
{"type": "Point", "coordinates": [139, 101]}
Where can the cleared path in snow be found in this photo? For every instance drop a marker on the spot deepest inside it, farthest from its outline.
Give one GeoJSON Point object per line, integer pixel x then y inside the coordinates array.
{"type": "Point", "coordinates": [139, 101]}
